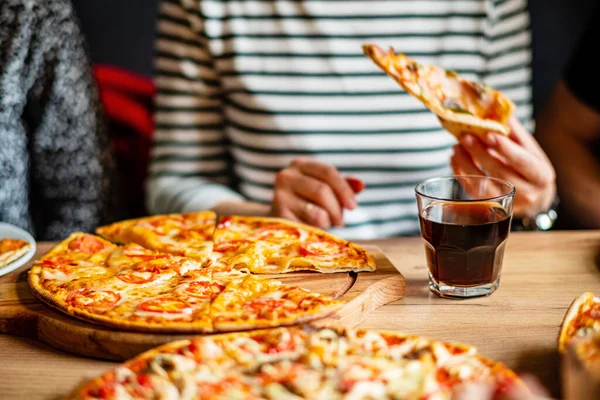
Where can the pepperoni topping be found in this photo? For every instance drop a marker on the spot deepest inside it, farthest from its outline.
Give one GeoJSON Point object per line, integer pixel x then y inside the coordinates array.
{"type": "Point", "coordinates": [87, 244]}
{"type": "Point", "coordinates": [231, 245]}
{"type": "Point", "coordinates": [169, 305]}
{"type": "Point", "coordinates": [141, 274]}
{"type": "Point", "coordinates": [144, 381]}
{"type": "Point", "coordinates": [89, 298]}
{"type": "Point", "coordinates": [279, 233]}
{"type": "Point", "coordinates": [392, 340]}
{"type": "Point", "coordinates": [59, 263]}
{"type": "Point", "coordinates": [318, 248]}
{"type": "Point", "coordinates": [106, 391]}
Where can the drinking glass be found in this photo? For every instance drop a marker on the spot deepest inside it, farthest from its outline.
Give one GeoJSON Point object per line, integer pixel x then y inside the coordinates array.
{"type": "Point", "coordinates": [465, 223]}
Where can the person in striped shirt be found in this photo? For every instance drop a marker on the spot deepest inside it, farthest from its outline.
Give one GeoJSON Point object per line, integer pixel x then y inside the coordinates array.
{"type": "Point", "coordinates": [265, 107]}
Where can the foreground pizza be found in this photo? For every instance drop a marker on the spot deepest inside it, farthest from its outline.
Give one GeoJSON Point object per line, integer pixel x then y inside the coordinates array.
{"type": "Point", "coordinates": [461, 106]}
{"type": "Point", "coordinates": [259, 244]}
{"type": "Point", "coordinates": [582, 319]}
{"type": "Point", "coordinates": [302, 363]}
{"type": "Point", "coordinates": [131, 287]}
{"type": "Point", "coordinates": [12, 249]}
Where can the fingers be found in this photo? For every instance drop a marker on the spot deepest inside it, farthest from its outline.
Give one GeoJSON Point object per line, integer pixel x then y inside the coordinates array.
{"type": "Point", "coordinates": [288, 205]}
{"type": "Point", "coordinates": [485, 160]}
{"type": "Point", "coordinates": [306, 188]}
{"type": "Point", "coordinates": [462, 164]}
{"type": "Point", "coordinates": [330, 176]}
{"type": "Point", "coordinates": [535, 170]}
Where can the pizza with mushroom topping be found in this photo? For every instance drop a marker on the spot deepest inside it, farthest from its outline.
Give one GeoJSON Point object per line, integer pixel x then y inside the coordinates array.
{"type": "Point", "coordinates": [304, 363]}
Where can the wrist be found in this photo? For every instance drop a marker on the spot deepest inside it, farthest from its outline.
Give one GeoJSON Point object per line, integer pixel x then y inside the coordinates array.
{"type": "Point", "coordinates": [542, 221]}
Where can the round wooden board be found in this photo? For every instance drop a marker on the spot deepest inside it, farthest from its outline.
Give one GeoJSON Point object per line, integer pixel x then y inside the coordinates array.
{"type": "Point", "coordinates": [22, 314]}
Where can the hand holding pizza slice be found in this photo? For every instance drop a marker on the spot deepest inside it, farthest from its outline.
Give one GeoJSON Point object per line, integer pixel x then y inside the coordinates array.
{"type": "Point", "coordinates": [492, 141]}
{"type": "Point", "coordinates": [462, 106]}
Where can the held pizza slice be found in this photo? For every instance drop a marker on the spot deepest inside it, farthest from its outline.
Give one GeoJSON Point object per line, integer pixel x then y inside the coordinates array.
{"type": "Point", "coordinates": [12, 249]}
{"type": "Point", "coordinates": [581, 319]}
{"type": "Point", "coordinates": [187, 234]}
{"type": "Point", "coordinates": [276, 245]}
{"type": "Point", "coordinates": [462, 106]}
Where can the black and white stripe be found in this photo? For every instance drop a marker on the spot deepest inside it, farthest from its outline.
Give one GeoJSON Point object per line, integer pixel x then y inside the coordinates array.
{"type": "Point", "coordinates": [244, 87]}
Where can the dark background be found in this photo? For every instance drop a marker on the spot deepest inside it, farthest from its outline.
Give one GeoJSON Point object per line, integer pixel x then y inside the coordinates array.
{"type": "Point", "coordinates": [120, 32]}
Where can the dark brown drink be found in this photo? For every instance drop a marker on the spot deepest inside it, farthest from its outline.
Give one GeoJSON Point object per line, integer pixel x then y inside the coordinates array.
{"type": "Point", "coordinates": [464, 242]}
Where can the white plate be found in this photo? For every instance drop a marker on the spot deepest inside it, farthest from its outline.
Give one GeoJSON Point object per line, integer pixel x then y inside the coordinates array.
{"type": "Point", "coordinates": [14, 232]}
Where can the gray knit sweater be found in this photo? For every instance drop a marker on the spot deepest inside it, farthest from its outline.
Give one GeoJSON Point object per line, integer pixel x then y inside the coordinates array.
{"type": "Point", "coordinates": [55, 158]}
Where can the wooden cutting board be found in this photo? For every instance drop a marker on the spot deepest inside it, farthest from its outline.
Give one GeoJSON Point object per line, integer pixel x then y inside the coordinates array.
{"type": "Point", "coordinates": [22, 314]}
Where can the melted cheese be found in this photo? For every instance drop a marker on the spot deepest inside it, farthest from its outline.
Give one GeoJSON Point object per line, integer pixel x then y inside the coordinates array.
{"type": "Point", "coordinates": [367, 390]}
{"type": "Point", "coordinates": [164, 315]}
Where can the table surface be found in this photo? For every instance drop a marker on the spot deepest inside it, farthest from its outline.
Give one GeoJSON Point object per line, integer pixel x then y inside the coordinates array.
{"type": "Point", "coordinates": [517, 325]}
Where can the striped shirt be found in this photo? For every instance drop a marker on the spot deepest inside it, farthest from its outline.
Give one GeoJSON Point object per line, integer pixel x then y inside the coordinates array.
{"type": "Point", "coordinates": [244, 87]}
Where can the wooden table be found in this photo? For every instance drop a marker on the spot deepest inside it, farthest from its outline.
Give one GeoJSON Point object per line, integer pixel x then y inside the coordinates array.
{"type": "Point", "coordinates": [518, 324]}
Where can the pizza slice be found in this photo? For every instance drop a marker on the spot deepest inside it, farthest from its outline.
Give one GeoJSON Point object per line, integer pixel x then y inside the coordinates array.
{"type": "Point", "coordinates": [276, 245]}
{"type": "Point", "coordinates": [581, 319]}
{"type": "Point", "coordinates": [188, 234]}
{"type": "Point", "coordinates": [12, 249]}
{"type": "Point", "coordinates": [462, 106]}
{"type": "Point", "coordinates": [124, 287]}
{"type": "Point", "coordinates": [580, 368]}
{"type": "Point", "coordinates": [251, 302]}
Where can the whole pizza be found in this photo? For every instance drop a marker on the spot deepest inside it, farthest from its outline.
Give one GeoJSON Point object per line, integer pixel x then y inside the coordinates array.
{"type": "Point", "coordinates": [295, 363]}
{"type": "Point", "coordinates": [193, 273]}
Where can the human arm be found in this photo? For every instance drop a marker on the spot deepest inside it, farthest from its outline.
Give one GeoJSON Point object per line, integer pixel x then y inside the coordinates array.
{"type": "Point", "coordinates": [518, 157]}
{"type": "Point", "coordinates": [73, 185]}
{"type": "Point", "coordinates": [190, 168]}
{"type": "Point", "coordinates": [568, 130]}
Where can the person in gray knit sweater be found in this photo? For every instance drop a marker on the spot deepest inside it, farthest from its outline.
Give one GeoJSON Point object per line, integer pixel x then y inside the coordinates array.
{"type": "Point", "coordinates": [57, 169]}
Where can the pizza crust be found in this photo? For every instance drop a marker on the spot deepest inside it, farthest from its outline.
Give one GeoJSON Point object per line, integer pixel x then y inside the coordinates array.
{"type": "Point", "coordinates": [455, 123]}
{"type": "Point", "coordinates": [569, 318]}
{"type": "Point", "coordinates": [13, 255]}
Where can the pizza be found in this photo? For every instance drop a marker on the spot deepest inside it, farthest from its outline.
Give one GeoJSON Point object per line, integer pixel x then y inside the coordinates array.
{"type": "Point", "coordinates": [462, 106]}
{"type": "Point", "coordinates": [188, 234]}
{"type": "Point", "coordinates": [580, 368]}
{"type": "Point", "coordinates": [135, 288]}
{"type": "Point", "coordinates": [12, 249]}
{"type": "Point", "coordinates": [259, 244]}
{"type": "Point", "coordinates": [581, 319]}
{"type": "Point", "coordinates": [275, 245]}
{"type": "Point", "coordinates": [303, 362]}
